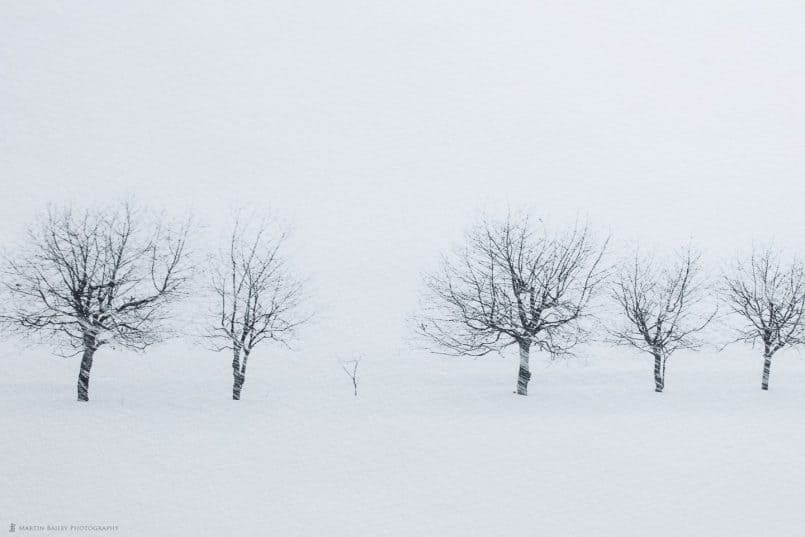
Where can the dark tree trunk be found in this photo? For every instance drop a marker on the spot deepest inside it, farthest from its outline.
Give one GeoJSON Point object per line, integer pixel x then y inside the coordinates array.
{"type": "Point", "coordinates": [766, 370]}
{"type": "Point", "coordinates": [86, 367]}
{"type": "Point", "coordinates": [237, 383]}
{"type": "Point", "coordinates": [237, 386]}
{"type": "Point", "coordinates": [659, 373]}
{"type": "Point", "coordinates": [239, 374]}
{"type": "Point", "coordinates": [523, 375]}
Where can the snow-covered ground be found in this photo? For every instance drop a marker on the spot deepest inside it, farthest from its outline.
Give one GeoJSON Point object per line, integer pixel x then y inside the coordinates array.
{"type": "Point", "coordinates": [379, 130]}
{"type": "Point", "coordinates": [432, 446]}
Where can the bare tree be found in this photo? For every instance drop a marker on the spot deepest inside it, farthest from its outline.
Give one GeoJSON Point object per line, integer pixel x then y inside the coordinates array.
{"type": "Point", "coordinates": [512, 283]}
{"type": "Point", "coordinates": [350, 367]}
{"type": "Point", "coordinates": [663, 308]}
{"type": "Point", "coordinates": [769, 296]}
{"type": "Point", "coordinates": [258, 298]}
{"type": "Point", "coordinates": [91, 278]}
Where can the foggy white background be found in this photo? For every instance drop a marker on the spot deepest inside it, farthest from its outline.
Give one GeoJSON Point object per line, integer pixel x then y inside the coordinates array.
{"type": "Point", "coordinates": [379, 129]}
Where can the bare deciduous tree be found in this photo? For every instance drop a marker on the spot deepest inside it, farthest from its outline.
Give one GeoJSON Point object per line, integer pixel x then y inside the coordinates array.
{"type": "Point", "coordinates": [769, 296]}
{"type": "Point", "coordinates": [257, 295]}
{"type": "Point", "coordinates": [663, 308]}
{"type": "Point", "coordinates": [512, 283]}
{"type": "Point", "coordinates": [94, 278]}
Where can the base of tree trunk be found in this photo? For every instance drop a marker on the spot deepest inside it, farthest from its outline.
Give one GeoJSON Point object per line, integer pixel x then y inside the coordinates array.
{"type": "Point", "coordinates": [523, 377]}
{"type": "Point", "coordinates": [83, 375]}
{"type": "Point", "coordinates": [236, 388]}
{"type": "Point", "coordinates": [659, 374]}
{"type": "Point", "coordinates": [764, 384]}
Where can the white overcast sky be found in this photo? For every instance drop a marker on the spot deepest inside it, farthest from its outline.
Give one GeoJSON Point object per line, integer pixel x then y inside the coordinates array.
{"type": "Point", "coordinates": [380, 128]}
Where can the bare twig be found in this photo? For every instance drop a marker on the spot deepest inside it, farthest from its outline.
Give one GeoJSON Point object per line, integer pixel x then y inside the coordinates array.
{"type": "Point", "coordinates": [350, 367]}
